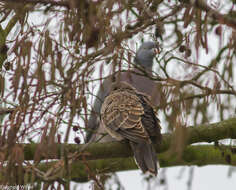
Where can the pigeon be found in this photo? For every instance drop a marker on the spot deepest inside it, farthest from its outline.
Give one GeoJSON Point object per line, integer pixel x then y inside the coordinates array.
{"type": "Point", "coordinates": [144, 59]}
{"type": "Point", "coordinates": [127, 114]}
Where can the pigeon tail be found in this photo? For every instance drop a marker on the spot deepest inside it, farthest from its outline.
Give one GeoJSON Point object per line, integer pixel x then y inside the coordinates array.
{"type": "Point", "coordinates": [145, 157]}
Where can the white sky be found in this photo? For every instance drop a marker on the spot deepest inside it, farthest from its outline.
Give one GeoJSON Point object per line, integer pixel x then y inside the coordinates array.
{"type": "Point", "coordinates": [204, 178]}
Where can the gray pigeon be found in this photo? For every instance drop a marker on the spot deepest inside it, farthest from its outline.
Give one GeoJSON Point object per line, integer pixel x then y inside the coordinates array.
{"type": "Point", "coordinates": [144, 58]}
{"type": "Point", "coordinates": [128, 114]}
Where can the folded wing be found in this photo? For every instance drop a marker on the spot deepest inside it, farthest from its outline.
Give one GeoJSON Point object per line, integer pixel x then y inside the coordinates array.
{"type": "Point", "coordinates": [121, 114]}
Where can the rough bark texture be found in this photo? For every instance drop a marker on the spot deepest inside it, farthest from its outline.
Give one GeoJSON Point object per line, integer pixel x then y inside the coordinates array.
{"type": "Point", "coordinates": [199, 155]}
{"type": "Point", "coordinates": [202, 133]}
{"type": "Point", "coordinates": [116, 156]}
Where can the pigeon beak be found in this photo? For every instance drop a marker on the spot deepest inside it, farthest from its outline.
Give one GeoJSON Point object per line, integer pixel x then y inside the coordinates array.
{"type": "Point", "coordinates": [156, 50]}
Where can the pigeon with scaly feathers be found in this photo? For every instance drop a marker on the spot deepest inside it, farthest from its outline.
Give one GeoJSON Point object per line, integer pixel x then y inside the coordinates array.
{"type": "Point", "coordinates": [128, 114]}
{"type": "Point", "coordinates": [144, 58]}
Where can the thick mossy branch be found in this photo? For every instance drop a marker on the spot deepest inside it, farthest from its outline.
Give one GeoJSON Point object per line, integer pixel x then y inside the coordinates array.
{"type": "Point", "coordinates": [99, 158]}
{"type": "Point", "coordinates": [193, 155]}
{"type": "Point", "coordinates": [202, 133]}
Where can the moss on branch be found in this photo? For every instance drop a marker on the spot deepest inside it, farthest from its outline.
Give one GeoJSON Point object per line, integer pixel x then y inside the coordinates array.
{"type": "Point", "coordinates": [199, 155]}
{"type": "Point", "coordinates": [202, 133]}
{"type": "Point", "coordinates": [117, 156]}
{"type": "Point", "coordinates": [99, 158]}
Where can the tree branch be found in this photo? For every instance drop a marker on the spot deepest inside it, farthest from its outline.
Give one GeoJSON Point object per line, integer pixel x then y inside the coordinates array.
{"type": "Point", "coordinates": [116, 156]}
{"type": "Point", "coordinates": [44, 2]}
{"type": "Point", "coordinates": [201, 133]}
{"type": "Point", "coordinates": [221, 18]}
{"type": "Point", "coordinates": [199, 155]}
{"type": "Point", "coordinates": [201, 4]}
{"type": "Point", "coordinates": [4, 111]}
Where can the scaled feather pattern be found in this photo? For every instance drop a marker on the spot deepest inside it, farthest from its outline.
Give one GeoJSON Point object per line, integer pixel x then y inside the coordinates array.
{"type": "Point", "coordinates": [128, 114]}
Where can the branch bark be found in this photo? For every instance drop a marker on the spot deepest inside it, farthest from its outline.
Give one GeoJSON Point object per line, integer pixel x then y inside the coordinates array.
{"type": "Point", "coordinates": [201, 4]}
{"type": "Point", "coordinates": [116, 156]}
{"type": "Point", "coordinates": [199, 155]}
{"type": "Point", "coordinates": [220, 18]}
{"type": "Point", "coordinates": [4, 111]}
{"type": "Point", "coordinates": [194, 134]}
{"type": "Point", "coordinates": [44, 2]}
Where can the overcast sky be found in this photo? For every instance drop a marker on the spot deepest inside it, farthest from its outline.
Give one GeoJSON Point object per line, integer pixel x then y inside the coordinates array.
{"type": "Point", "coordinates": [204, 178]}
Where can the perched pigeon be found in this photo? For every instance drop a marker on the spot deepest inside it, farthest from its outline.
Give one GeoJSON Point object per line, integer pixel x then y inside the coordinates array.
{"type": "Point", "coordinates": [128, 114]}
{"type": "Point", "coordinates": [144, 58]}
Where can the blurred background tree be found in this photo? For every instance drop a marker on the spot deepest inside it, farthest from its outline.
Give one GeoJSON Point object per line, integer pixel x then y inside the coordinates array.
{"type": "Point", "coordinates": [54, 55]}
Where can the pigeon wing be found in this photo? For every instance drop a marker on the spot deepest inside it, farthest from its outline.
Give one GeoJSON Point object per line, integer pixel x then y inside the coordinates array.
{"type": "Point", "coordinates": [121, 115]}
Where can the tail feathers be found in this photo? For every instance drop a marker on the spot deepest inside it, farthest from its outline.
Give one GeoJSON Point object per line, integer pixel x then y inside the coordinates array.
{"type": "Point", "coordinates": [145, 157]}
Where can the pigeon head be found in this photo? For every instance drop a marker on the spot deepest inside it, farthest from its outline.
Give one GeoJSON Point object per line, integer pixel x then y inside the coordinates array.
{"type": "Point", "coordinates": [146, 53]}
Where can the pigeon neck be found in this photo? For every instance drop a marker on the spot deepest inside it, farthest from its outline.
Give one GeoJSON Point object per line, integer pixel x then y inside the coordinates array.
{"type": "Point", "coordinates": [147, 70]}
{"type": "Point", "coordinates": [145, 64]}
